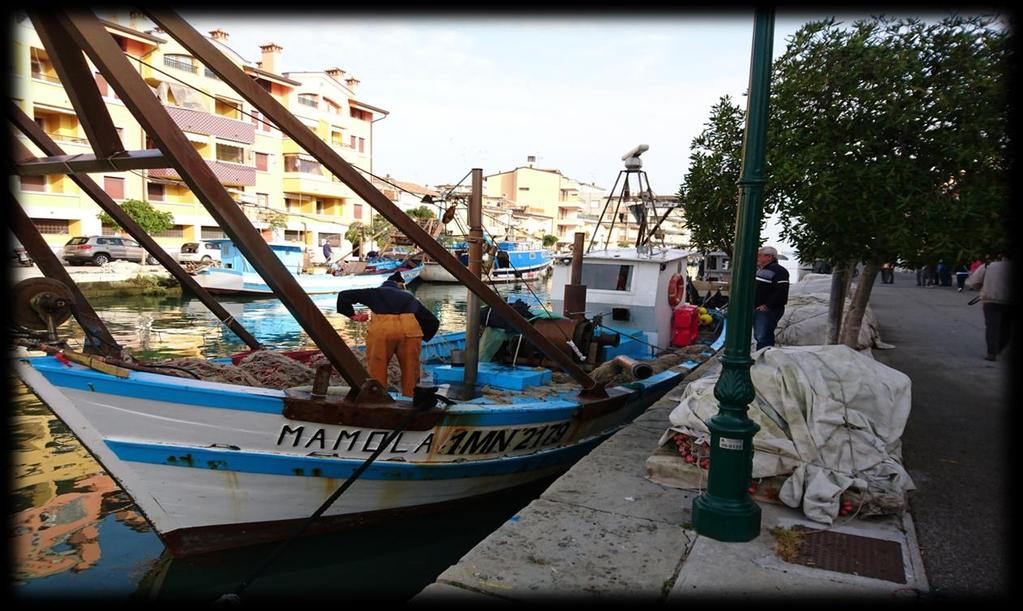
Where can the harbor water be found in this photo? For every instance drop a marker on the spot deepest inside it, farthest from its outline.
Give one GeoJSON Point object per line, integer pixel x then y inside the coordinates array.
{"type": "Point", "coordinates": [75, 534]}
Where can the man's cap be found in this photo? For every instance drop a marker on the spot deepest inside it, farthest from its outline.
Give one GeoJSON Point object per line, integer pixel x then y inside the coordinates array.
{"type": "Point", "coordinates": [396, 277]}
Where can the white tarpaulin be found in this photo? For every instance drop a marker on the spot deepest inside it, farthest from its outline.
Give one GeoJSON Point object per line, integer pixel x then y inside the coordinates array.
{"type": "Point", "coordinates": [805, 321]}
{"type": "Point", "coordinates": [830, 419]}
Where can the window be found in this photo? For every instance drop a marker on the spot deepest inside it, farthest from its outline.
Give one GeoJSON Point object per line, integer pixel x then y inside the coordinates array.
{"type": "Point", "coordinates": [262, 161]}
{"type": "Point", "coordinates": [229, 108]}
{"type": "Point", "coordinates": [232, 154]}
{"type": "Point", "coordinates": [334, 239]}
{"type": "Point", "coordinates": [262, 199]}
{"type": "Point", "coordinates": [155, 191]}
{"type": "Point", "coordinates": [294, 163]}
{"type": "Point", "coordinates": [294, 235]}
{"type": "Point", "coordinates": [33, 183]}
{"type": "Point", "coordinates": [211, 233]}
{"type": "Point", "coordinates": [114, 187]}
{"type": "Point", "coordinates": [362, 145]}
{"type": "Point", "coordinates": [319, 206]}
{"type": "Point", "coordinates": [357, 210]}
{"type": "Point", "coordinates": [332, 107]}
{"type": "Point", "coordinates": [52, 226]}
{"type": "Point", "coordinates": [336, 137]}
{"type": "Point", "coordinates": [309, 99]}
{"type": "Point", "coordinates": [353, 141]}
{"type": "Point", "coordinates": [361, 115]}
{"type": "Point", "coordinates": [607, 277]}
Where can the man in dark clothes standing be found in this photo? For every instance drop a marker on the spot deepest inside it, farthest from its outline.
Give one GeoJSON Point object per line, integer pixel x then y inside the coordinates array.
{"type": "Point", "coordinates": [399, 325]}
{"type": "Point", "coordinates": [772, 293]}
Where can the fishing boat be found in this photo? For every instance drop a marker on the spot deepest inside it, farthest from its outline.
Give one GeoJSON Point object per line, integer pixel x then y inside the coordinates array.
{"type": "Point", "coordinates": [512, 262]}
{"type": "Point", "coordinates": [214, 465]}
{"type": "Point", "coordinates": [237, 276]}
{"type": "Point", "coordinates": [220, 453]}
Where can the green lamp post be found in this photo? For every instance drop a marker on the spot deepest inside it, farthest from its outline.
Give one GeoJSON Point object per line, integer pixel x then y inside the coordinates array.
{"type": "Point", "coordinates": [726, 512]}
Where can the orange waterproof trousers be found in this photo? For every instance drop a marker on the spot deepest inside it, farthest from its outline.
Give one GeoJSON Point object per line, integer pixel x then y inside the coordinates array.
{"type": "Point", "coordinates": [391, 334]}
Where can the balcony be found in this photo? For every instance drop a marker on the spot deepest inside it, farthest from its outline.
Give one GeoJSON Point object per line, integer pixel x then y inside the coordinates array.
{"type": "Point", "coordinates": [213, 125]}
{"type": "Point", "coordinates": [226, 173]}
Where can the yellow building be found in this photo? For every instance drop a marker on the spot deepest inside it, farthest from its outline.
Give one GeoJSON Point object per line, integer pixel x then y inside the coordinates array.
{"type": "Point", "coordinates": [542, 192]}
{"type": "Point", "coordinates": [266, 172]}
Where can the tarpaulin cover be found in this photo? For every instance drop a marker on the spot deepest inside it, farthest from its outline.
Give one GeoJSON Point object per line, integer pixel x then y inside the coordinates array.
{"type": "Point", "coordinates": [830, 419]}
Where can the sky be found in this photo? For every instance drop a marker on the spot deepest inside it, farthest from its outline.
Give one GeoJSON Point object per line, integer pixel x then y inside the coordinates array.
{"type": "Point", "coordinates": [576, 92]}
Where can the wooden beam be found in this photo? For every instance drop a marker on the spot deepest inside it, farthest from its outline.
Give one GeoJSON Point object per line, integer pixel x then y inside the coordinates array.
{"type": "Point", "coordinates": [86, 163]}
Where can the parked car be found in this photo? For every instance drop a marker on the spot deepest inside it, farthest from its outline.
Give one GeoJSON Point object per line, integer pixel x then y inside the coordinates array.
{"type": "Point", "coordinates": [20, 254]}
{"type": "Point", "coordinates": [199, 252]}
{"type": "Point", "coordinates": [100, 249]}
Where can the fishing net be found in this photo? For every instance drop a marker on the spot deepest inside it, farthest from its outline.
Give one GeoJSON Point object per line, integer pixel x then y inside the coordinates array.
{"type": "Point", "coordinates": [210, 371]}
{"type": "Point", "coordinates": [274, 370]}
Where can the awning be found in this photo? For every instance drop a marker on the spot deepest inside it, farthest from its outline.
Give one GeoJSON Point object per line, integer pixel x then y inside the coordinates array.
{"type": "Point", "coordinates": [197, 138]}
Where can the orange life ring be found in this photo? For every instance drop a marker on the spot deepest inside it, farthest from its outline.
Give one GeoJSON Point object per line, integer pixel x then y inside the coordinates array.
{"type": "Point", "coordinates": [675, 290]}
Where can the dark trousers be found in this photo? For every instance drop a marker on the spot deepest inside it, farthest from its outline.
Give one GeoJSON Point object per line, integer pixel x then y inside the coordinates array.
{"type": "Point", "coordinates": [764, 324]}
{"type": "Point", "coordinates": [997, 326]}
{"type": "Point", "coordinates": [887, 276]}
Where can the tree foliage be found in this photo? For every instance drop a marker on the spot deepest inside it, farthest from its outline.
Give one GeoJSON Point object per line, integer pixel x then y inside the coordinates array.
{"type": "Point", "coordinates": [549, 240]}
{"type": "Point", "coordinates": [887, 140]}
{"type": "Point", "coordinates": [421, 212]}
{"type": "Point", "coordinates": [144, 214]}
{"type": "Point", "coordinates": [709, 196]}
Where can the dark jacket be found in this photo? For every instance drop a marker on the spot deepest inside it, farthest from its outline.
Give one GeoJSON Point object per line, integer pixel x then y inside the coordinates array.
{"type": "Point", "coordinates": [772, 287]}
{"type": "Point", "coordinates": [389, 299]}
{"type": "Point", "coordinates": [495, 320]}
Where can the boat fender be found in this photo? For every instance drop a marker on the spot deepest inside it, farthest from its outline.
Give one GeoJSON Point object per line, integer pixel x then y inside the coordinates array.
{"type": "Point", "coordinates": [675, 290]}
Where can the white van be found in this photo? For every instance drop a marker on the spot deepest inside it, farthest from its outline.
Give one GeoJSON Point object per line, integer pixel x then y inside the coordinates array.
{"type": "Point", "coordinates": [199, 252]}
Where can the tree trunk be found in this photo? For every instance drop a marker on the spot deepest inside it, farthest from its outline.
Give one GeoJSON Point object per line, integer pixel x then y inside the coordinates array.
{"type": "Point", "coordinates": [854, 318]}
{"type": "Point", "coordinates": [839, 287]}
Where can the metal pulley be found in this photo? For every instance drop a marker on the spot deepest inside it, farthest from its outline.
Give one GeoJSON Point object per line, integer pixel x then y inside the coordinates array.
{"type": "Point", "coordinates": [41, 304]}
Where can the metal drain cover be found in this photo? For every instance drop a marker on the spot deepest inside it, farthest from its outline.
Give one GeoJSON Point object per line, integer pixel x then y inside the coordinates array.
{"type": "Point", "coordinates": [850, 554]}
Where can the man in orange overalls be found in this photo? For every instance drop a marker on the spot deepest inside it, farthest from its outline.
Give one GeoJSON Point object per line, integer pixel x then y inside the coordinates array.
{"type": "Point", "coordinates": [399, 325]}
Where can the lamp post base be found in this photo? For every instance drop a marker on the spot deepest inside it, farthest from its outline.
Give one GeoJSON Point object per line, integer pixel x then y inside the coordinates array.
{"type": "Point", "coordinates": [725, 520]}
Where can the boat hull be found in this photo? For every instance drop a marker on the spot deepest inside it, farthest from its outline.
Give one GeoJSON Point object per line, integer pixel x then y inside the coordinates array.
{"type": "Point", "coordinates": [215, 465]}
{"type": "Point", "coordinates": [433, 272]}
{"type": "Point", "coordinates": [231, 282]}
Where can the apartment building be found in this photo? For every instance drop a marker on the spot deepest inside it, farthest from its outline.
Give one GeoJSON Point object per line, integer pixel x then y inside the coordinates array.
{"type": "Point", "coordinates": [268, 174]}
{"type": "Point", "coordinates": [543, 192]}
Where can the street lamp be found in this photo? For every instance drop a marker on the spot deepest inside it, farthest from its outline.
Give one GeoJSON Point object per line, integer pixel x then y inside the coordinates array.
{"type": "Point", "coordinates": [726, 512]}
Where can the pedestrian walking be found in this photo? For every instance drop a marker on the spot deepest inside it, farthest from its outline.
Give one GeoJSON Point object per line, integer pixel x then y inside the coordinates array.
{"type": "Point", "coordinates": [994, 281]}
{"type": "Point", "coordinates": [930, 274]}
{"type": "Point", "coordinates": [327, 251]}
{"type": "Point", "coordinates": [772, 293]}
{"type": "Point", "coordinates": [961, 274]}
{"type": "Point", "coordinates": [887, 273]}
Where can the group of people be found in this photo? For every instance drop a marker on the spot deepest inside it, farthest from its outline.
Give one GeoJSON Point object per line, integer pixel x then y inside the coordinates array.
{"type": "Point", "coordinates": [940, 274]}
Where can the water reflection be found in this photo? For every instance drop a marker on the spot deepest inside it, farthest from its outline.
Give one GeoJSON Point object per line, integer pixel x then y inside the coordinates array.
{"type": "Point", "coordinates": [76, 532]}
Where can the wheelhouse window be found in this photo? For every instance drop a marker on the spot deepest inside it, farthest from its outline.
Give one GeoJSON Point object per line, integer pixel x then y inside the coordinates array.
{"type": "Point", "coordinates": [607, 277]}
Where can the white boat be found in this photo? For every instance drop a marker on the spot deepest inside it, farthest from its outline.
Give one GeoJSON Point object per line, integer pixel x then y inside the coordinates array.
{"type": "Point", "coordinates": [214, 465]}
{"type": "Point", "coordinates": [236, 276]}
{"type": "Point", "coordinates": [515, 262]}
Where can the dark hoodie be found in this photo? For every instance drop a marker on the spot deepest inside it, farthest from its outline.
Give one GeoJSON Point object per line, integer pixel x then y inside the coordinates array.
{"type": "Point", "coordinates": [389, 299]}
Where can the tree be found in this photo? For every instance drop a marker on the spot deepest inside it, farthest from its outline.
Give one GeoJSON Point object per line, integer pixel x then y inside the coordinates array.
{"type": "Point", "coordinates": [147, 217]}
{"type": "Point", "coordinates": [549, 240]}
{"type": "Point", "coordinates": [709, 196]}
{"type": "Point", "coordinates": [421, 212]}
{"type": "Point", "coordinates": [875, 153]}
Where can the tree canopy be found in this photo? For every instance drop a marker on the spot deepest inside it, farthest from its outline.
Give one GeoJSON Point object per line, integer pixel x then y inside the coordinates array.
{"type": "Point", "coordinates": [887, 140]}
{"type": "Point", "coordinates": [147, 217]}
{"type": "Point", "coordinates": [709, 197]}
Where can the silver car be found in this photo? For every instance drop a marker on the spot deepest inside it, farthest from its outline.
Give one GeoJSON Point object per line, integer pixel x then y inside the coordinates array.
{"type": "Point", "coordinates": [100, 249]}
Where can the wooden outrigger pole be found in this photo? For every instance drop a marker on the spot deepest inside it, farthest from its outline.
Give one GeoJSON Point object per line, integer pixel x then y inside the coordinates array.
{"type": "Point", "coordinates": [231, 74]}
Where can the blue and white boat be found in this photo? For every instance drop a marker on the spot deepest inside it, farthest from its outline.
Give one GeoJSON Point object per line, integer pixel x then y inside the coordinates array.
{"type": "Point", "coordinates": [215, 465]}
{"type": "Point", "coordinates": [514, 262]}
{"type": "Point", "coordinates": [236, 276]}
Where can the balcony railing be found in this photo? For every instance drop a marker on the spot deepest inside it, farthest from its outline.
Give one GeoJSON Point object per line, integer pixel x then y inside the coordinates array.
{"type": "Point", "coordinates": [66, 138]}
{"type": "Point", "coordinates": [308, 102]}
{"type": "Point", "coordinates": [180, 65]}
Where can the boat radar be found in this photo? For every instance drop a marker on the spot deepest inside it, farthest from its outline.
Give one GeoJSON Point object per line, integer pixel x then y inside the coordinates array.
{"type": "Point", "coordinates": [631, 158]}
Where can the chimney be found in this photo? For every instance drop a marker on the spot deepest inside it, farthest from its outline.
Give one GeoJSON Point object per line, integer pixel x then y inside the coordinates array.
{"type": "Point", "coordinates": [271, 56]}
{"type": "Point", "coordinates": [336, 73]}
{"type": "Point", "coordinates": [530, 160]}
{"type": "Point", "coordinates": [219, 35]}
{"type": "Point", "coordinates": [352, 83]}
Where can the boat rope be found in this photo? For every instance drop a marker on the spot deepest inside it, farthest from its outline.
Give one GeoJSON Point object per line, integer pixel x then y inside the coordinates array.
{"type": "Point", "coordinates": [235, 596]}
